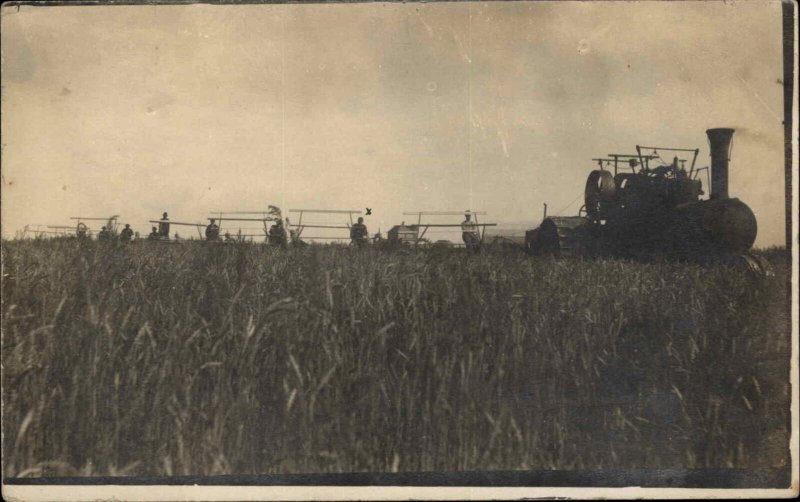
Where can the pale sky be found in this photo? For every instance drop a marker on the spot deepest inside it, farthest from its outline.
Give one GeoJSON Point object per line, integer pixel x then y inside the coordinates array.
{"type": "Point", "coordinates": [497, 107]}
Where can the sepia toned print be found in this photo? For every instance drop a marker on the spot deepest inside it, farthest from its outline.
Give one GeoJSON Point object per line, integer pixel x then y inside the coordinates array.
{"type": "Point", "coordinates": [399, 244]}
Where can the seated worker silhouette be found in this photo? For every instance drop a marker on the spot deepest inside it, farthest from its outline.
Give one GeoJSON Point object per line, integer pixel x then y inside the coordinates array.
{"type": "Point", "coordinates": [212, 231]}
{"type": "Point", "coordinates": [469, 233]}
{"type": "Point", "coordinates": [277, 234]}
{"type": "Point", "coordinates": [359, 233]}
{"type": "Point", "coordinates": [127, 233]}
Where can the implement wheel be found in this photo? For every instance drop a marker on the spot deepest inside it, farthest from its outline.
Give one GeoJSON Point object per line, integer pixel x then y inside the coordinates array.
{"type": "Point", "coordinates": [559, 236]}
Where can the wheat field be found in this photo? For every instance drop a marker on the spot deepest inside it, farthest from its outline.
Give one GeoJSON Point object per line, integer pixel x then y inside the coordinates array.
{"type": "Point", "coordinates": [156, 360]}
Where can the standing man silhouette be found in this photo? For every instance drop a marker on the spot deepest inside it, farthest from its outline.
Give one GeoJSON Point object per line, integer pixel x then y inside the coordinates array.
{"type": "Point", "coordinates": [163, 226]}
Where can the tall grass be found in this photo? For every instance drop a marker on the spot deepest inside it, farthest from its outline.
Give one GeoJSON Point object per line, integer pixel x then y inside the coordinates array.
{"type": "Point", "coordinates": [152, 359]}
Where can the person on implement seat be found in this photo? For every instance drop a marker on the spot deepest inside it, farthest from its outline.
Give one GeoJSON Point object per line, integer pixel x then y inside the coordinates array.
{"type": "Point", "coordinates": [277, 234]}
{"type": "Point", "coordinates": [212, 231]}
{"type": "Point", "coordinates": [359, 233]}
{"type": "Point", "coordinates": [470, 234]}
{"type": "Point", "coordinates": [127, 233]}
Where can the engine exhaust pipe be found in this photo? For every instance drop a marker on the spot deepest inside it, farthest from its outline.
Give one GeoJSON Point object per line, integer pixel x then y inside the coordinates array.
{"type": "Point", "coordinates": [720, 143]}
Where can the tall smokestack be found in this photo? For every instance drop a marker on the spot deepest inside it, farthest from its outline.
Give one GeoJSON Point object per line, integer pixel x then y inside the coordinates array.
{"type": "Point", "coordinates": [720, 142]}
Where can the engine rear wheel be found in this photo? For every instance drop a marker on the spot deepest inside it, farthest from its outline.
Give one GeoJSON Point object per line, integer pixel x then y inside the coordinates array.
{"type": "Point", "coordinates": [600, 190]}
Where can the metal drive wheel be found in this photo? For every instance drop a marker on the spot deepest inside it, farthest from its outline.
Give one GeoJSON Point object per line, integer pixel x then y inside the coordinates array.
{"type": "Point", "coordinates": [600, 189]}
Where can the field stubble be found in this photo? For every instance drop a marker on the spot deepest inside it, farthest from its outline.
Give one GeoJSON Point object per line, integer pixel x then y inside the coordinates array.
{"type": "Point", "coordinates": [173, 360]}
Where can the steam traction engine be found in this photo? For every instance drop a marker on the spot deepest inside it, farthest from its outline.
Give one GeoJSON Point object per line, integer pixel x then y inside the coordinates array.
{"type": "Point", "coordinates": [638, 205]}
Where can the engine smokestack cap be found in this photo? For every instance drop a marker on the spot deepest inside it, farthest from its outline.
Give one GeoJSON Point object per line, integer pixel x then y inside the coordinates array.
{"type": "Point", "coordinates": [720, 130]}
